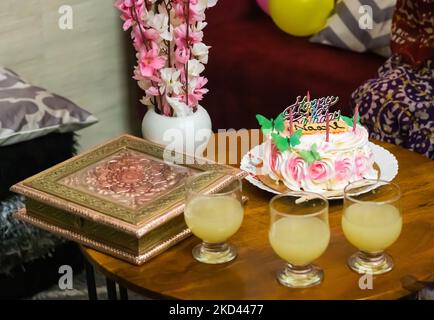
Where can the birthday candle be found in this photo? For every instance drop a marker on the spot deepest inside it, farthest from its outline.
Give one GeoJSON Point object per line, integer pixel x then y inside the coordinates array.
{"type": "Point", "coordinates": [291, 121]}
{"type": "Point", "coordinates": [327, 127]}
{"type": "Point", "coordinates": [356, 116]}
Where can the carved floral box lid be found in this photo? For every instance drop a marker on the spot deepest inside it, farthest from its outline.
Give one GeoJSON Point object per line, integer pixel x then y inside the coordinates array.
{"type": "Point", "coordinates": [124, 183]}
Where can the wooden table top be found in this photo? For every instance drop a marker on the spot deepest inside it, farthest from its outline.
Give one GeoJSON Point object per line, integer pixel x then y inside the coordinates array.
{"type": "Point", "coordinates": [175, 274]}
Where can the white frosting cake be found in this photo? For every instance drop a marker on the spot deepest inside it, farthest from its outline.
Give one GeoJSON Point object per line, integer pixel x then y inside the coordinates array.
{"type": "Point", "coordinates": [345, 158]}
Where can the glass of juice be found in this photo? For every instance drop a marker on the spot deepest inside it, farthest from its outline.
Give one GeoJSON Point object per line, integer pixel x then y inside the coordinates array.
{"type": "Point", "coordinates": [213, 218]}
{"type": "Point", "coordinates": [371, 222]}
{"type": "Point", "coordinates": [299, 233]}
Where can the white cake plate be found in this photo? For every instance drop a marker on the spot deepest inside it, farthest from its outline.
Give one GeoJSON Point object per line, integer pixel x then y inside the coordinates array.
{"type": "Point", "coordinates": [384, 159]}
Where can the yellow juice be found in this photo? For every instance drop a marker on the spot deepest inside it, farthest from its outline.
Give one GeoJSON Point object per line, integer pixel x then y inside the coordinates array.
{"type": "Point", "coordinates": [370, 227]}
{"type": "Point", "coordinates": [214, 219]}
{"type": "Point", "coordinates": [299, 240]}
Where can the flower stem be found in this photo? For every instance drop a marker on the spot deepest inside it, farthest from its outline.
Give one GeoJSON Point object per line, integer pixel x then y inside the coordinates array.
{"type": "Point", "coordinates": [168, 6]}
{"type": "Point", "coordinates": [187, 39]}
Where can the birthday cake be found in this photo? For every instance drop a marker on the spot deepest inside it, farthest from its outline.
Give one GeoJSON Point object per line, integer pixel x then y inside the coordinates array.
{"type": "Point", "coordinates": [309, 148]}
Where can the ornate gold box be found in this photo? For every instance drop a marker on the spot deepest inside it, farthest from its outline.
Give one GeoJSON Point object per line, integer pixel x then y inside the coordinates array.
{"type": "Point", "coordinates": [121, 198]}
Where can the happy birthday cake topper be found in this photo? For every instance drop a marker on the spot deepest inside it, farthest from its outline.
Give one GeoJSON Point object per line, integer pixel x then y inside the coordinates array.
{"type": "Point", "coordinates": [314, 111]}
{"type": "Point", "coordinates": [314, 116]}
{"type": "Point", "coordinates": [306, 117]}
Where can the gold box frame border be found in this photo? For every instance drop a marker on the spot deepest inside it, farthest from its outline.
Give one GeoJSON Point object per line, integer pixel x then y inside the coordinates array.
{"type": "Point", "coordinates": [44, 187]}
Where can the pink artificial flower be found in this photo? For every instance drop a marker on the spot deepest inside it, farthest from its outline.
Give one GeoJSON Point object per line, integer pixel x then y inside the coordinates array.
{"type": "Point", "coordinates": [152, 91]}
{"type": "Point", "coordinates": [126, 8]}
{"type": "Point", "coordinates": [295, 168]}
{"type": "Point", "coordinates": [150, 61]}
{"type": "Point", "coordinates": [196, 93]}
{"type": "Point", "coordinates": [138, 76]}
{"type": "Point", "coordinates": [192, 101]}
{"type": "Point", "coordinates": [343, 169]}
{"type": "Point", "coordinates": [361, 164]}
{"type": "Point", "coordinates": [180, 7]}
{"type": "Point", "coordinates": [167, 110]}
{"type": "Point", "coordinates": [182, 55]}
{"type": "Point", "coordinates": [319, 171]}
{"type": "Point", "coordinates": [199, 90]}
{"type": "Point", "coordinates": [140, 35]}
{"type": "Point", "coordinates": [180, 34]}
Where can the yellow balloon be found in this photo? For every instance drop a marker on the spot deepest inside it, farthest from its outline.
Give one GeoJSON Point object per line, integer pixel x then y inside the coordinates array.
{"type": "Point", "coordinates": [300, 17]}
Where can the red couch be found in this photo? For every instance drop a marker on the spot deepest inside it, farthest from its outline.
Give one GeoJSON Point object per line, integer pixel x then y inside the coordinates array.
{"type": "Point", "coordinates": [256, 68]}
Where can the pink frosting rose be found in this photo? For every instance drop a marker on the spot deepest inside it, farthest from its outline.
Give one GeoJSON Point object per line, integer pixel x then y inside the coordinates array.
{"type": "Point", "coordinates": [295, 169]}
{"type": "Point", "coordinates": [362, 165]}
{"type": "Point", "coordinates": [319, 171]}
{"type": "Point", "coordinates": [343, 169]}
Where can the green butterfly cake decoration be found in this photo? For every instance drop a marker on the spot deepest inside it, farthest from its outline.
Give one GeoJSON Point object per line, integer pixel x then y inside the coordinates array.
{"type": "Point", "coordinates": [282, 143]}
{"type": "Point", "coordinates": [295, 138]}
{"type": "Point", "coordinates": [312, 155]}
{"type": "Point", "coordinates": [266, 124]}
{"type": "Point", "coordinates": [279, 123]}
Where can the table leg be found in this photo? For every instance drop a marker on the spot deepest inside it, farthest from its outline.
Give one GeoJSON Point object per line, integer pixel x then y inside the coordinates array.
{"type": "Point", "coordinates": [111, 289]}
{"type": "Point", "coordinates": [90, 280]}
{"type": "Point", "coordinates": [123, 293]}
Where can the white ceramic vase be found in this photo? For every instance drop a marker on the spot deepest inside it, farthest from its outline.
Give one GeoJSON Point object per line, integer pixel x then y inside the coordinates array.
{"type": "Point", "coordinates": [188, 134]}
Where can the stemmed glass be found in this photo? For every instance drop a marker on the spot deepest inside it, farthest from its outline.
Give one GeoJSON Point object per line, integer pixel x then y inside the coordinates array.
{"type": "Point", "coordinates": [299, 234]}
{"type": "Point", "coordinates": [371, 222]}
{"type": "Point", "coordinates": [214, 218]}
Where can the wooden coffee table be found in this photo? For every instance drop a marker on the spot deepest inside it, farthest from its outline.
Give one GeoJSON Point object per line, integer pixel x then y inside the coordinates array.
{"type": "Point", "coordinates": [175, 274]}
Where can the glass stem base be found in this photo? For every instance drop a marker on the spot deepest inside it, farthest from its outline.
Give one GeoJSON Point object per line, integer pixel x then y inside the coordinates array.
{"type": "Point", "coordinates": [300, 277]}
{"type": "Point", "coordinates": [214, 253]}
{"type": "Point", "coordinates": [372, 263]}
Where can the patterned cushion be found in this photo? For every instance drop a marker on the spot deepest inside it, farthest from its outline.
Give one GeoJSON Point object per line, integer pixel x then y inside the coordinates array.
{"type": "Point", "coordinates": [27, 111]}
{"type": "Point", "coordinates": [413, 30]}
{"type": "Point", "coordinates": [343, 29]}
{"type": "Point", "coordinates": [398, 106]}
